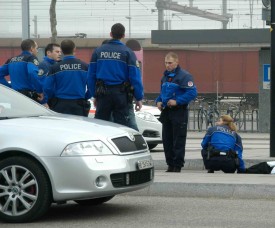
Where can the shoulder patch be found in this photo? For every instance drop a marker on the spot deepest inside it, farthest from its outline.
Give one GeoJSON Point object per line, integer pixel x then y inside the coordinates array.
{"type": "Point", "coordinates": [190, 83]}
{"type": "Point", "coordinates": [137, 64]}
{"type": "Point", "coordinates": [35, 61]}
{"type": "Point", "coordinates": [40, 72]}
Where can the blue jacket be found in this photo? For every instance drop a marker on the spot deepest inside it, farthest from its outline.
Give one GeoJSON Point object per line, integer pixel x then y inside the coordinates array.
{"type": "Point", "coordinates": [44, 68]}
{"type": "Point", "coordinates": [3, 81]}
{"type": "Point", "coordinates": [23, 71]}
{"type": "Point", "coordinates": [114, 63]}
{"type": "Point", "coordinates": [67, 79]}
{"type": "Point", "coordinates": [177, 85]}
{"type": "Point", "coordinates": [223, 139]}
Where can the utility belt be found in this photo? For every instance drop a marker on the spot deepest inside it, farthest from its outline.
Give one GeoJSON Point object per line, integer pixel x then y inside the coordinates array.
{"type": "Point", "coordinates": [231, 154]}
{"type": "Point", "coordinates": [85, 104]}
{"type": "Point", "coordinates": [29, 93]}
{"type": "Point", "coordinates": [102, 89]}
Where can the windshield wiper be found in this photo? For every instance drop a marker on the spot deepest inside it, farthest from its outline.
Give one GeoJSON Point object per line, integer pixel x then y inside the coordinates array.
{"type": "Point", "coordinates": [4, 118]}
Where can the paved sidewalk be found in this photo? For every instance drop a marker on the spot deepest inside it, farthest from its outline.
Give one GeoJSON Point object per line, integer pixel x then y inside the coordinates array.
{"type": "Point", "coordinates": [194, 181]}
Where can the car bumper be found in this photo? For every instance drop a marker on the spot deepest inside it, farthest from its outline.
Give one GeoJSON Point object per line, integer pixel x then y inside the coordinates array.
{"type": "Point", "coordinates": [89, 177]}
{"type": "Point", "coordinates": [151, 131]}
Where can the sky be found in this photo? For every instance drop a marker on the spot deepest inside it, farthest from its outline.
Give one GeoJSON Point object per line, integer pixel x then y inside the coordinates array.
{"type": "Point", "coordinates": [95, 17]}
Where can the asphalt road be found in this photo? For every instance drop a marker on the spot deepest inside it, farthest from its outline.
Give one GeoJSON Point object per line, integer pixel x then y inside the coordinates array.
{"type": "Point", "coordinates": [133, 211]}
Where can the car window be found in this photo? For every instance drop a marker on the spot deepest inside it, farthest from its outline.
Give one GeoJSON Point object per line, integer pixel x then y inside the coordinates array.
{"type": "Point", "coordinates": [14, 104]}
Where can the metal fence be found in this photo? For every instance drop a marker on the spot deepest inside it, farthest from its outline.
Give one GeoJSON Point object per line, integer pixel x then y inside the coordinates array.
{"type": "Point", "coordinates": [248, 108]}
{"type": "Point", "coordinates": [246, 112]}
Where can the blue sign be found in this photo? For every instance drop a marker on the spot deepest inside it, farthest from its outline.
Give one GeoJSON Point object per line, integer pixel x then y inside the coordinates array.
{"type": "Point", "coordinates": [266, 78]}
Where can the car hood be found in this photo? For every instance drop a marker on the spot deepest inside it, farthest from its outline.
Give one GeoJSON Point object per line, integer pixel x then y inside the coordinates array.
{"type": "Point", "coordinates": [67, 124]}
{"type": "Point", "coordinates": [62, 129]}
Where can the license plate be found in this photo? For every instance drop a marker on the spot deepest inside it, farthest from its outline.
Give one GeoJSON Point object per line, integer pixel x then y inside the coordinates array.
{"type": "Point", "coordinates": [144, 164]}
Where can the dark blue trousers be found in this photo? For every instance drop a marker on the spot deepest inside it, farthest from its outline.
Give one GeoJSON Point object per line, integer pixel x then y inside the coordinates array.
{"type": "Point", "coordinates": [67, 106]}
{"type": "Point", "coordinates": [174, 132]}
{"type": "Point", "coordinates": [223, 163]}
{"type": "Point", "coordinates": [114, 103]}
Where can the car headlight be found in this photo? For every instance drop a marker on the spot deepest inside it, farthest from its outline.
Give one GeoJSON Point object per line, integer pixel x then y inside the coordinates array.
{"type": "Point", "coordinates": [146, 116]}
{"type": "Point", "coordinates": [89, 148]}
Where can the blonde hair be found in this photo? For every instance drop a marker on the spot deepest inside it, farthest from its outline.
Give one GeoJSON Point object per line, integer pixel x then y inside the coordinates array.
{"type": "Point", "coordinates": [228, 120]}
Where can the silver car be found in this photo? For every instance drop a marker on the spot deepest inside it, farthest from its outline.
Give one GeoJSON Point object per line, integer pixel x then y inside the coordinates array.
{"type": "Point", "coordinates": [47, 157]}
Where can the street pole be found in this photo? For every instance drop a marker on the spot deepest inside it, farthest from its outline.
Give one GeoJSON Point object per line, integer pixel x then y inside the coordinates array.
{"type": "Point", "coordinates": [272, 82]}
{"type": "Point", "coordinates": [25, 19]}
{"type": "Point", "coordinates": [130, 19]}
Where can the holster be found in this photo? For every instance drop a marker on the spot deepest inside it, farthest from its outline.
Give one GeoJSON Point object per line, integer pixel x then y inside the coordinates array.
{"type": "Point", "coordinates": [163, 116]}
{"type": "Point", "coordinates": [100, 89]}
{"type": "Point", "coordinates": [86, 104]}
{"type": "Point", "coordinates": [130, 92]}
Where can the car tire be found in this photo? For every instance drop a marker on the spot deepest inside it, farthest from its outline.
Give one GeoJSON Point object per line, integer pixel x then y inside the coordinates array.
{"type": "Point", "coordinates": [25, 190]}
{"type": "Point", "coordinates": [94, 202]}
{"type": "Point", "coordinates": [152, 146]}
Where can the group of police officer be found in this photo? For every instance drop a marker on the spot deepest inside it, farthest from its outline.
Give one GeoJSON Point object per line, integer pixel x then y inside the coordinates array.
{"type": "Point", "coordinates": [113, 78]}
{"type": "Point", "coordinates": [66, 85]}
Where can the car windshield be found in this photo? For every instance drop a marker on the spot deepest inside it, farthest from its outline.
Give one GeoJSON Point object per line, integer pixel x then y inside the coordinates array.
{"type": "Point", "coordinates": [14, 105]}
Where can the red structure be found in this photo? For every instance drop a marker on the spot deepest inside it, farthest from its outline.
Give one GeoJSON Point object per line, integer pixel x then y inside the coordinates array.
{"type": "Point", "coordinates": [225, 72]}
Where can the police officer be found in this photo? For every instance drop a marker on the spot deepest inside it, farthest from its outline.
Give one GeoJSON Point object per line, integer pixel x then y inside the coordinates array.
{"type": "Point", "coordinates": [222, 147]}
{"type": "Point", "coordinates": [177, 90]}
{"type": "Point", "coordinates": [112, 66]}
{"type": "Point", "coordinates": [66, 83]}
{"type": "Point", "coordinates": [23, 71]}
{"type": "Point", "coordinates": [52, 56]}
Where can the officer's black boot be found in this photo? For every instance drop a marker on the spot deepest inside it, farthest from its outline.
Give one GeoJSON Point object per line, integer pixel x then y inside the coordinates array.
{"type": "Point", "coordinates": [170, 169]}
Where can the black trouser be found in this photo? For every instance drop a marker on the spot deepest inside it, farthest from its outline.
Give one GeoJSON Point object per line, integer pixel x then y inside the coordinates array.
{"type": "Point", "coordinates": [114, 102]}
{"type": "Point", "coordinates": [174, 133]}
{"type": "Point", "coordinates": [225, 163]}
{"type": "Point", "coordinates": [77, 107]}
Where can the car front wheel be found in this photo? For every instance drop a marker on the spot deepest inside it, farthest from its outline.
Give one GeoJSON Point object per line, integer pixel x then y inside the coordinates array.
{"type": "Point", "coordinates": [25, 192]}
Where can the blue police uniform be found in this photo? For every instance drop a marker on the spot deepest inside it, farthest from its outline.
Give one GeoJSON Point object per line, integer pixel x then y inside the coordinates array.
{"type": "Point", "coordinates": [223, 140]}
{"type": "Point", "coordinates": [112, 65]}
{"type": "Point", "coordinates": [66, 84]}
{"type": "Point", "coordinates": [23, 71]}
{"type": "Point", "coordinates": [44, 68]}
{"type": "Point", "coordinates": [3, 81]}
{"type": "Point", "coordinates": [177, 85]}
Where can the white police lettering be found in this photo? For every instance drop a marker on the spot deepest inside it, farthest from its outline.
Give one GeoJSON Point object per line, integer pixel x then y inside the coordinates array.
{"type": "Point", "coordinates": [224, 130]}
{"type": "Point", "coordinates": [75, 66]}
{"type": "Point", "coordinates": [110, 55]}
{"type": "Point", "coordinates": [17, 59]}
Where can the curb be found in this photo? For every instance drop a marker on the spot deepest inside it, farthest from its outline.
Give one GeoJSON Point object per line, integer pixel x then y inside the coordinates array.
{"type": "Point", "coordinates": [197, 164]}
{"type": "Point", "coordinates": [204, 185]}
{"type": "Point", "coordinates": [206, 190]}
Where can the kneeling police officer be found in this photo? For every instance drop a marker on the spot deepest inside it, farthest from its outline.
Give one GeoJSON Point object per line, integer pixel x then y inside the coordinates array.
{"type": "Point", "coordinates": [222, 147]}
